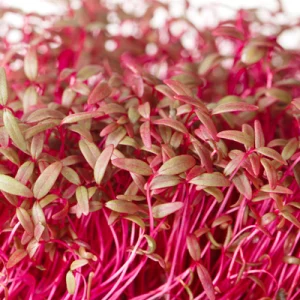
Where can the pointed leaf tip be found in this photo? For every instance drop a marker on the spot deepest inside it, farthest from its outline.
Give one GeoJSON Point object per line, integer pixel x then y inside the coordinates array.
{"type": "Point", "coordinates": [13, 130]}
{"type": "Point", "coordinates": [47, 179]}
{"type": "Point", "coordinates": [133, 165]}
{"type": "Point", "coordinates": [71, 283]}
{"type": "Point", "coordinates": [16, 257]}
{"type": "Point", "coordinates": [215, 179]}
{"type": "Point", "coordinates": [177, 165]}
{"type": "Point", "coordinates": [206, 282]}
{"type": "Point", "coordinates": [31, 64]}
{"type": "Point", "coordinates": [14, 187]}
{"type": "Point", "coordinates": [3, 87]}
{"type": "Point", "coordinates": [100, 92]}
{"type": "Point", "coordinates": [165, 209]}
{"type": "Point", "coordinates": [193, 247]}
{"type": "Point", "coordinates": [82, 197]}
{"type": "Point", "coordinates": [102, 163]}
{"type": "Point", "coordinates": [122, 206]}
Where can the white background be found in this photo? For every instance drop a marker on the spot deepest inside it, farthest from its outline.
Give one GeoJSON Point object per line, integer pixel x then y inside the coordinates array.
{"type": "Point", "coordinates": [224, 10]}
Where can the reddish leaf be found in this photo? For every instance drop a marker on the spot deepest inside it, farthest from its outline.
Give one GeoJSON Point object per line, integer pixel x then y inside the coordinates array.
{"type": "Point", "coordinates": [259, 135]}
{"type": "Point", "coordinates": [236, 136]}
{"type": "Point", "coordinates": [100, 92]}
{"type": "Point", "coordinates": [206, 120]}
{"type": "Point", "coordinates": [146, 134]}
{"type": "Point", "coordinates": [206, 281]}
{"type": "Point", "coordinates": [102, 162]}
{"type": "Point", "coordinates": [176, 125]}
{"type": "Point", "coordinates": [233, 107]}
{"type": "Point", "coordinates": [178, 87]}
{"type": "Point", "coordinates": [133, 165]}
{"type": "Point", "coordinates": [193, 247]}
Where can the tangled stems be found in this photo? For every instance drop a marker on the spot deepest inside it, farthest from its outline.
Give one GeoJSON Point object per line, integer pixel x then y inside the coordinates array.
{"type": "Point", "coordinates": [133, 166]}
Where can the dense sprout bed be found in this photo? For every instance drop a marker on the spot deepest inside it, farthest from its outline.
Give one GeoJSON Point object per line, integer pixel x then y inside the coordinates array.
{"type": "Point", "coordinates": [136, 167]}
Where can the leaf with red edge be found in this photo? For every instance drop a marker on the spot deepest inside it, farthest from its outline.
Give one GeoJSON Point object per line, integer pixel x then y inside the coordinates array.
{"type": "Point", "coordinates": [242, 184]}
{"type": "Point", "coordinates": [133, 165]}
{"type": "Point", "coordinates": [37, 145]}
{"type": "Point", "coordinates": [70, 175]}
{"type": "Point", "coordinates": [164, 181]}
{"type": "Point", "coordinates": [146, 134]}
{"type": "Point", "coordinates": [235, 135]}
{"type": "Point", "coordinates": [25, 220]}
{"type": "Point", "coordinates": [144, 110]}
{"type": "Point", "coordinates": [192, 101]}
{"type": "Point", "coordinates": [14, 187]}
{"type": "Point", "coordinates": [214, 179]}
{"type": "Point", "coordinates": [162, 210]}
{"type": "Point", "coordinates": [177, 165]}
{"type": "Point", "coordinates": [206, 281]}
{"type": "Point", "coordinates": [270, 172]}
{"type": "Point", "coordinates": [259, 135]}
{"type": "Point", "coordinates": [101, 91]}
{"type": "Point", "coordinates": [116, 136]}
{"type": "Point", "coordinates": [46, 180]}
{"type": "Point", "coordinates": [13, 130]}
{"type": "Point", "coordinates": [90, 152]}
{"type": "Point", "coordinates": [174, 124]}
{"type": "Point", "coordinates": [290, 148]}
{"type": "Point", "coordinates": [233, 107]}
{"type": "Point", "coordinates": [108, 129]}
{"type": "Point", "coordinates": [178, 87]}
{"type": "Point", "coordinates": [81, 116]}
{"type": "Point", "coordinates": [206, 120]}
{"type": "Point", "coordinates": [287, 215]}
{"type": "Point", "coordinates": [16, 257]}
{"type": "Point", "coordinates": [25, 172]}
{"type": "Point", "coordinates": [278, 190]}
{"type": "Point", "coordinates": [193, 247]}
{"type": "Point", "coordinates": [122, 206]}
{"type": "Point", "coordinates": [102, 163]}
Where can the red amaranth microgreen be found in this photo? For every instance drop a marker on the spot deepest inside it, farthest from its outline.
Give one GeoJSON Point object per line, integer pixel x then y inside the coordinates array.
{"type": "Point", "coordinates": [133, 167]}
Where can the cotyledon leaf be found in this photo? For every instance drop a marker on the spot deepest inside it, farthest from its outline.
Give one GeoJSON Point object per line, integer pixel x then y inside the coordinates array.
{"type": "Point", "coordinates": [177, 165]}
{"type": "Point", "coordinates": [47, 179]}
{"type": "Point", "coordinates": [14, 187]}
